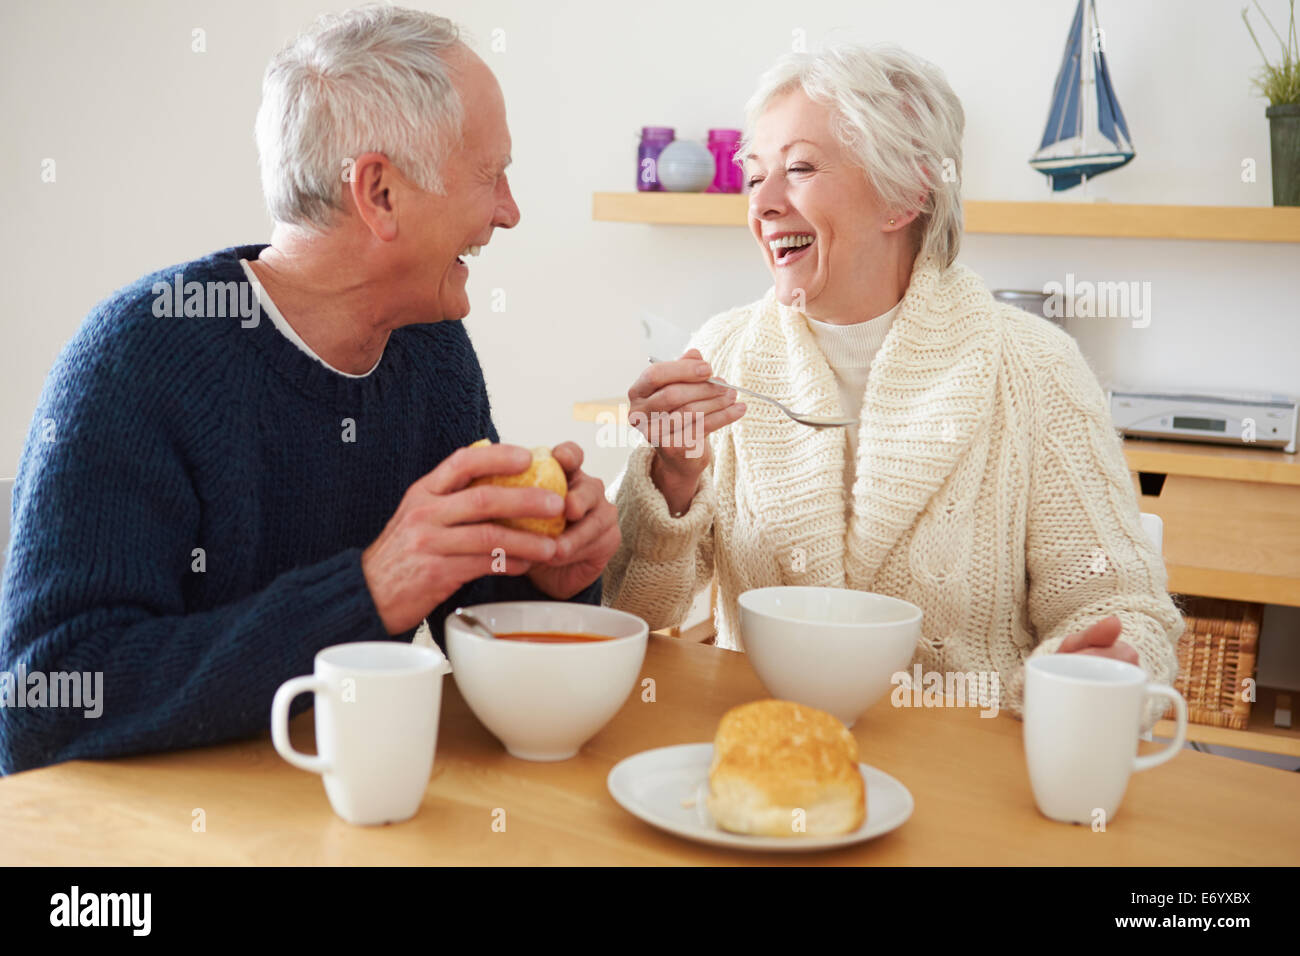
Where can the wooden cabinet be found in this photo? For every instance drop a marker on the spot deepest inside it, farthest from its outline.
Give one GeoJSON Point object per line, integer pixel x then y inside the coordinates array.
{"type": "Point", "coordinates": [1232, 518]}
{"type": "Point", "coordinates": [1232, 530]}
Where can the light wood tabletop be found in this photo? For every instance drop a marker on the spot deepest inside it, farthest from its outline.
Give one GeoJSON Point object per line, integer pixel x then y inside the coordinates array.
{"type": "Point", "coordinates": [966, 773]}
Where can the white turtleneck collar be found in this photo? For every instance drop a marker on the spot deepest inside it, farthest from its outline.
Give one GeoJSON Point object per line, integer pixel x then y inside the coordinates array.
{"type": "Point", "coordinates": [849, 350]}
{"type": "Point", "coordinates": [853, 345]}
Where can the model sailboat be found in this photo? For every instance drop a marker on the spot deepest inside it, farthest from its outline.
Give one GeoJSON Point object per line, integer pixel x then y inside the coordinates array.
{"type": "Point", "coordinates": [1086, 134]}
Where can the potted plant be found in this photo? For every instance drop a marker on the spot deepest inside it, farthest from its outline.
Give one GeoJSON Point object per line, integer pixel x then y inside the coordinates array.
{"type": "Point", "coordinates": [1280, 85]}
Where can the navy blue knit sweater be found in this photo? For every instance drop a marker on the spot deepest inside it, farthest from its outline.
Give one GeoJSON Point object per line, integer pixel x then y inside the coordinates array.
{"type": "Point", "coordinates": [158, 436]}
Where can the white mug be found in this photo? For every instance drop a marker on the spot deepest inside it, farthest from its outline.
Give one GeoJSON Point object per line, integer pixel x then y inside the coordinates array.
{"type": "Point", "coordinates": [1082, 716]}
{"type": "Point", "coordinates": [377, 705]}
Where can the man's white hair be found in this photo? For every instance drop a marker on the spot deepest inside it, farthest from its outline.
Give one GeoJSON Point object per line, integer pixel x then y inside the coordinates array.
{"type": "Point", "coordinates": [374, 79]}
{"type": "Point", "coordinates": [902, 122]}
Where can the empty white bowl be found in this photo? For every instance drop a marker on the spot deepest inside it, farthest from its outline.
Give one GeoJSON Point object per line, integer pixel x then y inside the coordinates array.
{"type": "Point", "coordinates": [830, 648]}
{"type": "Point", "coordinates": [544, 701]}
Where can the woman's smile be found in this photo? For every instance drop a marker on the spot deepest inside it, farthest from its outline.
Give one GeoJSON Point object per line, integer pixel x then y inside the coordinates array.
{"type": "Point", "coordinates": [789, 247]}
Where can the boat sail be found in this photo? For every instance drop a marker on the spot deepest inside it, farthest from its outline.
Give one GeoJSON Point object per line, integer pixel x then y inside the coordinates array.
{"type": "Point", "coordinates": [1086, 134]}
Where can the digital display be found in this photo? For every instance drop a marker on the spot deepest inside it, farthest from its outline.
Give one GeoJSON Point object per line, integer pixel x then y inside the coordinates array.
{"type": "Point", "coordinates": [1203, 424]}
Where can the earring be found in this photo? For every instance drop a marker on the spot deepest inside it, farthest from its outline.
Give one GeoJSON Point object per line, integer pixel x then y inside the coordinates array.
{"type": "Point", "coordinates": [891, 222]}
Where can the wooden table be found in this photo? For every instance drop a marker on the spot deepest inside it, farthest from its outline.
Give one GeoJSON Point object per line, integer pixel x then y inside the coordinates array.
{"type": "Point", "coordinates": [967, 774]}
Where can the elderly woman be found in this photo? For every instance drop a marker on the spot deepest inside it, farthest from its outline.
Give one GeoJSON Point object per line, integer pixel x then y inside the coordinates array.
{"type": "Point", "coordinates": [984, 483]}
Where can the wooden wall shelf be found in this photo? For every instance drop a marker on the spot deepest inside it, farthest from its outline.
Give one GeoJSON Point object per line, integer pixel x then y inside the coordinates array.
{"type": "Point", "coordinates": [1112, 220]}
{"type": "Point", "coordinates": [671, 209]}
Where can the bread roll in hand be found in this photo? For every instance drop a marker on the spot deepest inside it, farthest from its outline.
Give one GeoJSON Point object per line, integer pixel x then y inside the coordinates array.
{"type": "Point", "coordinates": [773, 757]}
{"type": "Point", "coordinates": [545, 472]}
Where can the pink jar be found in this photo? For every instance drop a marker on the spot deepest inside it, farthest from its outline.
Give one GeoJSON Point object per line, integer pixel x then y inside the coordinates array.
{"type": "Point", "coordinates": [729, 177]}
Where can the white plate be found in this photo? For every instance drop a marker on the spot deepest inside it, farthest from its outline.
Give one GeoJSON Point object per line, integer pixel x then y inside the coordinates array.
{"type": "Point", "coordinates": [668, 787]}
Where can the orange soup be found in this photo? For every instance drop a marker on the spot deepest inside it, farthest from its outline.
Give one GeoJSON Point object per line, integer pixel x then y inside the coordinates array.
{"type": "Point", "coordinates": [551, 637]}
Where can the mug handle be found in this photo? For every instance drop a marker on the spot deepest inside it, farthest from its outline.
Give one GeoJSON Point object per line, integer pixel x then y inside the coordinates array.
{"type": "Point", "coordinates": [315, 763]}
{"type": "Point", "coordinates": [1147, 761]}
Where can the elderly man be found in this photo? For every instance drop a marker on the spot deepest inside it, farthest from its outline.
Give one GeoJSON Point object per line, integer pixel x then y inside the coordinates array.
{"type": "Point", "coordinates": [245, 458]}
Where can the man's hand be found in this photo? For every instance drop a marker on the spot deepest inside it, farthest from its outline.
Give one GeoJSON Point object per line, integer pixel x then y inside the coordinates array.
{"type": "Point", "coordinates": [442, 535]}
{"type": "Point", "coordinates": [1100, 640]}
{"type": "Point", "coordinates": [591, 538]}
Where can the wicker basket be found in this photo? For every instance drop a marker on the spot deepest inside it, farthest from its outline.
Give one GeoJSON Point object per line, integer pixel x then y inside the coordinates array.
{"type": "Point", "coordinates": [1216, 654]}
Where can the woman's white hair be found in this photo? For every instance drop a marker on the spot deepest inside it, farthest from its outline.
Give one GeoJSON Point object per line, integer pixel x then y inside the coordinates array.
{"type": "Point", "coordinates": [902, 122]}
{"type": "Point", "coordinates": [373, 79]}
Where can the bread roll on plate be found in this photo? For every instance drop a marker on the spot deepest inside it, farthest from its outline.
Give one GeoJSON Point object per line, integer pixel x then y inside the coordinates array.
{"type": "Point", "coordinates": [773, 757]}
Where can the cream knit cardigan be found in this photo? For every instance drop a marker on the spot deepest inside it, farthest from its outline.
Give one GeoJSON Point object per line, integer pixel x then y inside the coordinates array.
{"type": "Point", "coordinates": [991, 489]}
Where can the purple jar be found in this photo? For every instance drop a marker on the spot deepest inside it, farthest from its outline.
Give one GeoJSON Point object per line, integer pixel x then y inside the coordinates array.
{"type": "Point", "coordinates": [729, 178]}
{"type": "Point", "coordinates": [653, 141]}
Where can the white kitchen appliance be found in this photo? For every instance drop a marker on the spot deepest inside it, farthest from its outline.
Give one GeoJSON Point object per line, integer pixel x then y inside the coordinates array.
{"type": "Point", "coordinates": [1230, 418]}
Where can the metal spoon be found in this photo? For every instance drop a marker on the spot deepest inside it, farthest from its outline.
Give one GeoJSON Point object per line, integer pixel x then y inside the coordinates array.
{"type": "Point", "coordinates": [812, 421]}
{"type": "Point", "coordinates": [473, 623]}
